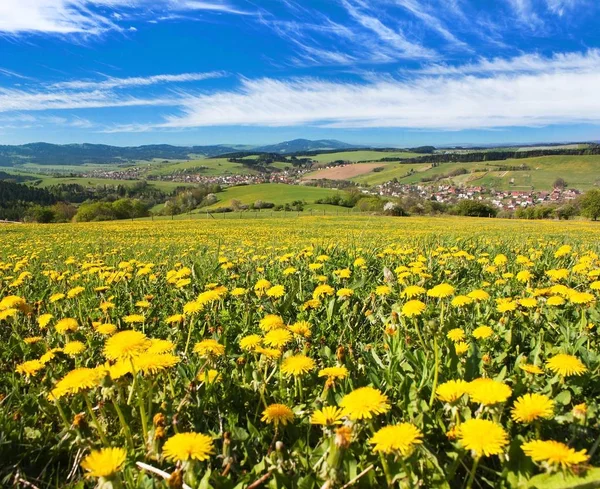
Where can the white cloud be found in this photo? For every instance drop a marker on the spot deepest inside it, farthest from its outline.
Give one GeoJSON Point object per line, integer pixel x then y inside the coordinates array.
{"type": "Point", "coordinates": [525, 63]}
{"type": "Point", "coordinates": [136, 81]}
{"type": "Point", "coordinates": [560, 7]}
{"type": "Point", "coordinates": [84, 17]}
{"type": "Point", "coordinates": [538, 97]}
{"type": "Point", "coordinates": [526, 13]}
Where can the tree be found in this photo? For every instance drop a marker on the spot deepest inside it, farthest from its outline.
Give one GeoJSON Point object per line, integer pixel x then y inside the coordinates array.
{"type": "Point", "coordinates": [64, 212]}
{"type": "Point", "coordinates": [474, 208]}
{"type": "Point", "coordinates": [560, 183]}
{"type": "Point", "coordinates": [95, 211]}
{"type": "Point", "coordinates": [40, 214]}
{"type": "Point", "coordinates": [590, 204]}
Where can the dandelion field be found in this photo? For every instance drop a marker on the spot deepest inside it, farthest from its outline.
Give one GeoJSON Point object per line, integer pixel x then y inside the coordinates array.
{"type": "Point", "coordinates": [307, 352]}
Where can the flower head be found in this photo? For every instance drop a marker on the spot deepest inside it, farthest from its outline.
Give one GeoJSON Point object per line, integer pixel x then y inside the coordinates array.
{"type": "Point", "coordinates": [277, 414]}
{"type": "Point", "coordinates": [452, 390]}
{"type": "Point", "coordinates": [530, 407]}
{"type": "Point", "coordinates": [126, 344]}
{"type": "Point", "coordinates": [329, 415]}
{"type": "Point", "coordinates": [78, 380]}
{"type": "Point", "coordinates": [188, 446]}
{"type": "Point", "coordinates": [278, 338]}
{"type": "Point", "coordinates": [482, 437]}
{"type": "Point", "coordinates": [104, 463]}
{"type": "Point", "coordinates": [65, 325]}
{"type": "Point", "coordinates": [364, 402]}
{"type": "Point", "coordinates": [566, 365]}
{"type": "Point", "coordinates": [297, 365]}
{"type": "Point", "coordinates": [413, 308]}
{"type": "Point", "coordinates": [488, 392]}
{"type": "Point", "coordinates": [554, 453]}
{"type": "Point", "coordinates": [209, 348]}
{"type": "Point", "coordinates": [398, 438]}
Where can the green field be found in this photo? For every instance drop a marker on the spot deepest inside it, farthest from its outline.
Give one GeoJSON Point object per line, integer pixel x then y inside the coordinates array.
{"type": "Point", "coordinates": [92, 182]}
{"type": "Point", "coordinates": [213, 167]}
{"type": "Point", "coordinates": [277, 193]}
{"type": "Point", "coordinates": [580, 172]}
{"type": "Point", "coordinates": [361, 156]}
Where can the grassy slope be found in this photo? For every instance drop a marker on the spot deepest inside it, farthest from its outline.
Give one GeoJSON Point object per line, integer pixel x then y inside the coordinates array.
{"type": "Point", "coordinates": [361, 156]}
{"type": "Point", "coordinates": [277, 193]}
{"type": "Point", "coordinates": [214, 166]}
{"type": "Point", "coordinates": [581, 172]}
{"type": "Point", "coordinates": [392, 170]}
{"type": "Point", "coordinates": [90, 182]}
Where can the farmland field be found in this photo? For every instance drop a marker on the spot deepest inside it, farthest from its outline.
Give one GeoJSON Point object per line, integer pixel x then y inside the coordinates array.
{"type": "Point", "coordinates": [300, 352]}
{"type": "Point", "coordinates": [361, 156]}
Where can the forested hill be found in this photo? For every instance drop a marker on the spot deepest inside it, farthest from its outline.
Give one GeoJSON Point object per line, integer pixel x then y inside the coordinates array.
{"type": "Point", "coordinates": [79, 154]}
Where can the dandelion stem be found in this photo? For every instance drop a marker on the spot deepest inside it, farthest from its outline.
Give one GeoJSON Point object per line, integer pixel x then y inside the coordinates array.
{"type": "Point", "coordinates": [472, 473]}
{"type": "Point", "coordinates": [95, 420]}
{"type": "Point", "coordinates": [436, 370]}
{"type": "Point", "coordinates": [124, 425]}
{"type": "Point", "coordinates": [189, 336]}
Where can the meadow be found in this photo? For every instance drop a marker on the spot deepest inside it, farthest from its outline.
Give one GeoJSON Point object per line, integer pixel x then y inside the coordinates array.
{"type": "Point", "coordinates": [300, 352]}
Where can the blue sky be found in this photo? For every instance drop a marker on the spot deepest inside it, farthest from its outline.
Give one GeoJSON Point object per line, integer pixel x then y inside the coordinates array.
{"type": "Point", "coordinates": [380, 72]}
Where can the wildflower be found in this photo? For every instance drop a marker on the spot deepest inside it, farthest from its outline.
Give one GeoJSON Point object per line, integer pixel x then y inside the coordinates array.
{"type": "Point", "coordinates": [333, 373]}
{"type": "Point", "coordinates": [364, 402]}
{"type": "Point", "coordinates": [188, 446]}
{"type": "Point", "coordinates": [192, 307]}
{"type": "Point", "coordinates": [452, 390]}
{"type": "Point", "coordinates": [152, 363]}
{"type": "Point", "coordinates": [65, 325]}
{"type": "Point", "coordinates": [74, 292]}
{"type": "Point", "coordinates": [271, 321]}
{"type": "Point", "coordinates": [210, 347]}
{"type": "Point", "coordinates": [482, 332]}
{"type": "Point", "coordinates": [456, 334]}
{"type": "Point", "coordinates": [29, 368]}
{"type": "Point", "coordinates": [311, 304]}
{"type": "Point", "coordinates": [209, 376]}
{"type": "Point", "coordinates": [277, 414]}
{"type": "Point", "coordinates": [554, 454]}
{"type": "Point", "coordinates": [555, 300]}
{"type": "Point", "coordinates": [126, 344]}
{"type": "Point", "coordinates": [345, 293]}
{"type": "Point", "coordinates": [441, 291]}
{"type": "Point", "coordinates": [461, 301]}
{"type": "Point", "coordinates": [524, 276]}
{"type": "Point", "coordinates": [301, 328]}
{"type": "Point", "coordinates": [73, 348]}
{"type": "Point", "coordinates": [32, 339]}
{"type": "Point", "coordinates": [530, 407]}
{"type": "Point", "coordinates": [44, 320]}
{"type": "Point", "coordinates": [250, 342]}
{"type": "Point", "coordinates": [134, 318]}
{"type": "Point", "coordinates": [580, 411]}
{"type": "Point", "coordinates": [105, 329]}
{"type": "Point", "coordinates": [238, 291]}
{"type": "Point", "coordinates": [482, 437]}
{"type": "Point", "coordinates": [56, 297]}
{"type": "Point", "coordinates": [398, 438]}
{"type": "Point", "coordinates": [278, 338]}
{"type": "Point", "coordinates": [506, 306]}
{"type": "Point", "coordinates": [276, 291]}
{"type": "Point", "coordinates": [461, 347]}
{"type": "Point", "coordinates": [262, 285]}
{"type": "Point", "coordinates": [566, 365]}
{"type": "Point", "coordinates": [104, 463]}
{"type": "Point", "coordinates": [323, 290]}
{"type": "Point", "coordinates": [75, 381]}
{"type": "Point", "coordinates": [175, 318]}
{"type": "Point", "coordinates": [531, 369]}
{"type": "Point", "coordinates": [581, 298]}
{"type": "Point", "coordinates": [272, 353]}
{"type": "Point", "coordinates": [413, 308]}
{"type": "Point", "coordinates": [327, 416]}
{"type": "Point", "coordinates": [488, 392]}
{"type": "Point", "coordinates": [160, 346]}
{"type": "Point", "coordinates": [297, 365]}
{"type": "Point", "coordinates": [479, 295]}
{"type": "Point", "coordinates": [382, 290]}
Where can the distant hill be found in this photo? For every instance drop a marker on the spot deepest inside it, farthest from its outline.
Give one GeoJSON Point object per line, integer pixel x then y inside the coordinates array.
{"type": "Point", "coordinates": [302, 145]}
{"type": "Point", "coordinates": [80, 154]}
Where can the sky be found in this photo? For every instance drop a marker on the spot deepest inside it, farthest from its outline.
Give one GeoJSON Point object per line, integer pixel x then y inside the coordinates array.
{"type": "Point", "coordinates": [371, 72]}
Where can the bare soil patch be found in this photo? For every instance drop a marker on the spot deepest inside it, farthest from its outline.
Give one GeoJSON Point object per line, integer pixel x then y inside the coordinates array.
{"type": "Point", "coordinates": [343, 172]}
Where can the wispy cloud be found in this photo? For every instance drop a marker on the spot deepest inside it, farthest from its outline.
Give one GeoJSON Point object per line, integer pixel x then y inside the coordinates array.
{"type": "Point", "coordinates": [136, 81]}
{"type": "Point", "coordinates": [526, 14]}
{"type": "Point", "coordinates": [537, 96]}
{"type": "Point", "coordinates": [13, 74]}
{"type": "Point", "coordinates": [83, 16]}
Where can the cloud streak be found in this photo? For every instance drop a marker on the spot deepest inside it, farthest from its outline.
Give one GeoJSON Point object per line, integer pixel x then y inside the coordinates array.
{"type": "Point", "coordinates": [136, 81]}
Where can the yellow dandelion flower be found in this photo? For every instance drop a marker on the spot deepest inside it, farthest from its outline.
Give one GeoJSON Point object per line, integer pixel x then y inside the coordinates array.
{"type": "Point", "coordinates": [73, 348]}
{"type": "Point", "coordinates": [531, 407]}
{"type": "Point", "coordinates": [175, 318]}
{"type": "Point", "coordinates": [400, 438]}
{"type": "Point", "coordinates": [297, 365]}
{"type": "Point", "coordinates": [412, 291]}
{"type": "Point", "coordinates": [452, 390]}
{"type": "Point", "coordinates": [271, 353]}
{"type": "Point", "coordinates": [301, 328]}
{"type": "Point", "coordinates": [479, 295]}
{"type": "Point", "coordinates": [364, 402]}
{"type": "Point", "coordinates": [278, 338]}
{"type": "Point", "coordinates": [482, 437]}
{"type": "Point", "coordinates": [566, 365]}
{"type": "Point", "coordinates": [482, 332]}
{"type": "Point", "coordinates": [134, 319]}
{"type": "Point", "coordinates": [188, 446]}
{"type": "Point", "coordinates": [328, 416]}
{"type": "Point", "coordinates": [276, 291]}
{"type": "Point", "coordinates": [441, 291]}
{"type": "Point", "coordinates": [555, 300]}
{"type": "Point", "coordinates": [78, 380]}
{"type": "Point", "coordinates": [488, 391]}
{"type": "Point", "coordinates": [413, 308]}
{"type": "Point", "coordinates": [209, 347]}
{"type": "Point", "coordinates": [531, 369]}
{"type": "Point", "coordinates": [126, 344]}
{"type": "Point", "coordinates": [461, 301]}
{"type": "Point", "coordinates": [277, 414]}
{"type": "Point", "coordinates": [30, 367]}
{"type": "Point", "coordinates": [345, 293]}
{"type": "Point", "coordinates": [208, 376]}
{"type": "Point", "coordinates": [554, 454]}
{"type": "Point", "coordinates": [65, 325]}
{"type": "Point", "coordinates": [382, 290]}
{"type": "Point", "coordinates": [271, 321]}
{"type": "Point", "coordinates": [32, 339]}
{"type": "Point", "coordinates": [456, 334]}
{"type": "Point", "coordinates": [104, 463]}
{"type": "Point", "coordinates": [74, 292]}
{"type": "Point", "coordinates": [461, 347]}
{"type": "Point", "coordinates": [44, 320]}
{"type": "Point", "coordinates": [250, 342]}
{"type": "Point", "coordinates": [105, 329]}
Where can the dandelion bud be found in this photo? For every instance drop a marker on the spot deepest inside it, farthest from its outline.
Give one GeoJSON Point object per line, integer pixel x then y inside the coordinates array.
{"type": "Point", "coordinates": [159, 419]}
{"type": "Point", "coordinates": [486, 358]}
{"type": "Point", "coordinates": [580, 411]}
{"type": "Point", "coordinates": [341, 353]}
{"type": "Point", "coordinates": [279, 446]}
{"type": "Point", "coordinates": [159, 433]}
{"type": "Point", "coordinates": [176, 480]}
{"type": "Point", "coordinates": [79, 421]}
{"type": "Point", "coordinates": [343, 437]}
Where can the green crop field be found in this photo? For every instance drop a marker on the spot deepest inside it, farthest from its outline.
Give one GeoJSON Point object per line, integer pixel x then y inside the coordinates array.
{"type": "Point", "coordinates": [212, 167]}
{"type": "Point", "coordinates": [277, 193]}
{"type": "Point", "coordinates": [361, 156]}
{"type": "Point", "coordinates": [392, 170]}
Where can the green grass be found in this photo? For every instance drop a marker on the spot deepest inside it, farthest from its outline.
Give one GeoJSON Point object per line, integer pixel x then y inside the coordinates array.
{"type": "Point", "coordinates": [92, 182]}
{"type": "Point", "coordinates": [277, 193]}
{"type": "Point", "coordinates": [362, 156]}
{"type": "Point", "coordinates": [392, 170]}
{"type": "Point", "coordinates": [213, 167]}
{"type": "Point", "coordinates": [580, 172]}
